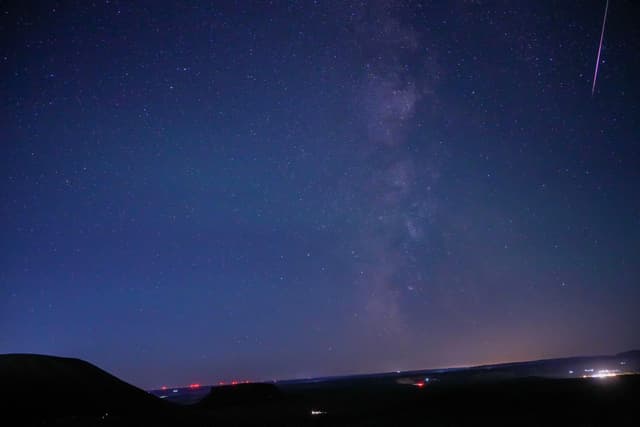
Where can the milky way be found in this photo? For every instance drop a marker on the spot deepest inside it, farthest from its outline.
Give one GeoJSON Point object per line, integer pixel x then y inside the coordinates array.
{"type": "Point", "coordinates": [394, 225]}
{"type": "Point", "coordinates": [208, 191]}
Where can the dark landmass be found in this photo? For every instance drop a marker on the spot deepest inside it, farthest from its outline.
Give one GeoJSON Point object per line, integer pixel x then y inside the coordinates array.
{"type": "Point", "coordinates": [45, 390]}
{"type": "Point", "coordinates": [240, 395]}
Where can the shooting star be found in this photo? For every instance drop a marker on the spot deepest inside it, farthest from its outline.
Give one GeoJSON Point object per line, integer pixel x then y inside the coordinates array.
{"type": "Point", "coordinates": [595, 74]}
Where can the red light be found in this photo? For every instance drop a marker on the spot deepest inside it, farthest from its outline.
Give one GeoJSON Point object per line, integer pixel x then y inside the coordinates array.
{"type": "Point", "coordinates": [195, 385]}
{"type": "Point", "coordinates": [164, 387]}
{"type": "Point", "coordinates": [234, 382]}
{"type": "Point", "coordinates": [420, 384]}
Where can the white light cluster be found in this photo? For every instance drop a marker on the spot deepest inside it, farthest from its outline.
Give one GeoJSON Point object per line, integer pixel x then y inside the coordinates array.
{"type": "Point", "coordinates": [601, 373]}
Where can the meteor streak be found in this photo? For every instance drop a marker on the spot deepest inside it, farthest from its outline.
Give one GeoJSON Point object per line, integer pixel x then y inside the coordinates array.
{"type": "Point", "coordinates": [595, 74]}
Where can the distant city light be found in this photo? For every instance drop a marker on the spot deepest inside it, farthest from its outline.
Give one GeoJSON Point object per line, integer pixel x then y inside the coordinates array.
{"type": "Point", "coordinates": [602, 373]}
{"type": "Point", "coordinates": [317, 412]}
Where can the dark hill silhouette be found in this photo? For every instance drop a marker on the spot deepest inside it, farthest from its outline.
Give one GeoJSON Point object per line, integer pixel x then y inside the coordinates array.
{"type": "Point", "coordinates": [57, 387]}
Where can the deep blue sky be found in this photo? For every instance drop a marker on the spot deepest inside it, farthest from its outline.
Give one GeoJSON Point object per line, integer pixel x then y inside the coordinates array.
{"type": "Point", "coordinates": [203, 191]}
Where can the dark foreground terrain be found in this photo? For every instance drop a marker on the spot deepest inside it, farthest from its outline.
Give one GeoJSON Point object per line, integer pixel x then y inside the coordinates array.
{"type": "Point", "coordinates": [44, 390]}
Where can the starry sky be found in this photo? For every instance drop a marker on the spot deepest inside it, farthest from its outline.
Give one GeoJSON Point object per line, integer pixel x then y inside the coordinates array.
{"type": "Point", "coordinates": [207, 191]}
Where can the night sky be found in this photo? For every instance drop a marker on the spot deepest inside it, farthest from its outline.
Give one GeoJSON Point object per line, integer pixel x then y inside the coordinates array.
{"type": "Point", "coordinates": [207, 191]}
